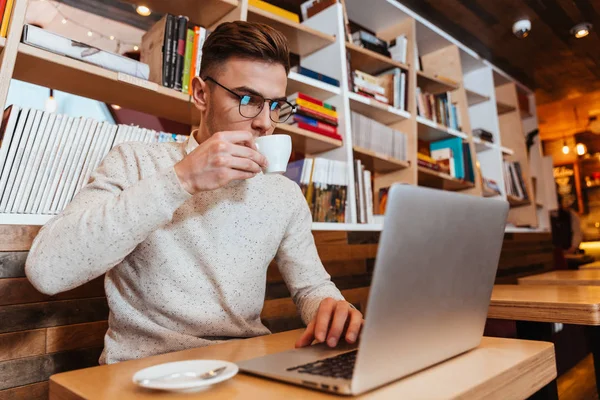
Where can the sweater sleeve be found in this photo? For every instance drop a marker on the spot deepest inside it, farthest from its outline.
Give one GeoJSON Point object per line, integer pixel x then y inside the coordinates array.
{"type": "Point", "coordinates": [107, 219]}
{"type": "Point", "coordinates": [300, 265]}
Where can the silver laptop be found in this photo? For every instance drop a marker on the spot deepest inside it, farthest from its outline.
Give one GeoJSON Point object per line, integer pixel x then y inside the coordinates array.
{"type": "Point", "coordinates": [431, 287]}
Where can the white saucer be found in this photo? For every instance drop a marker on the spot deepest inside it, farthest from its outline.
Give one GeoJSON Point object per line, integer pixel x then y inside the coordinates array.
{"type": "Point", "coordinates": [198, 366]}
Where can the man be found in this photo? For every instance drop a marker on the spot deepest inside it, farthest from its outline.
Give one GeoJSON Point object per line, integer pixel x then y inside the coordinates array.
{"type": "Point", "coordinates": [185, 233]}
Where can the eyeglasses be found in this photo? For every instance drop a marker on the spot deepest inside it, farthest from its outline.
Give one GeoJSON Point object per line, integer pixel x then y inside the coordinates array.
{"type": "Point", "coordinates": [252, 104]}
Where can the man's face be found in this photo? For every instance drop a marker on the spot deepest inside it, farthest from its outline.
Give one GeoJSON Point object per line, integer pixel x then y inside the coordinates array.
{"type": "Point", "coordinates": [242, 76]}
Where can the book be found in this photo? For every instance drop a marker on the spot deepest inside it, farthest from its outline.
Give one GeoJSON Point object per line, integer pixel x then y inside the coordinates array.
{"type": "Point", "coordinates": [180, 53]}
{"type": "Point", "coordinates": [318, 124]}
{"type": "Point", "coordinates": [319, 130]}
{"type": "Point", "coordinates": [316, 115]}
{"type": "Point", "coordinates": [455, 145]}
{"type": "Point", "coordinates": [315, 75]}
{"type": "Point", "coordinates": [194, 60]}
{"type": "Point", "coordinates": [156, 50]}
{"type": "Point", "coordinates": [187, 62]}
{"type": "Point", "coordinates": [54, 43]}
{"type": "Point", "coordinates": [9, 122]}
{"type": "Point", "coordinates": [6, 16]}
{"type": "Point", "coordinates": [314, 107]}
{"type": "Point", "coordinates": [291, 98]}
{"type": "Point", "coordinates": [263, 5]}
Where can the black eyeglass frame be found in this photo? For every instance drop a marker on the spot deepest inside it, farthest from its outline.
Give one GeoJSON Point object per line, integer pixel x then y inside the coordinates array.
{"type": "Point", "coordinates": [241, 96]}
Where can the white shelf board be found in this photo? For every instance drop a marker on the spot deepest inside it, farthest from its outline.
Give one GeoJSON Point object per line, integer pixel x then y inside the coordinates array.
{"type": "Point", "coordinates": [24, 219]}
{"type": "Point", "coordinates": [482, 145]}
{"type": "Point", "coordinates": [310, 86]}
{"type": "Point", "coordinates": [375, 110]}
{"type": "Point", "coordinates": [507, 151]}
{"type": "Point", "coordinates": [431, 131]}
{"type": "Point", "coordinates": [332, 226]}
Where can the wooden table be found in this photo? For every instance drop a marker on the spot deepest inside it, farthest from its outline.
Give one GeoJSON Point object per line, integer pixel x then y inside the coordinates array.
{"type": "Point", "coordinates": [564, 277]}
{"type": "Point", "coordinates": [537, 307]}
{"type": "Point", "coordinates": [592, 265]}
{"type": "Point", "coordinates": [497, 369]}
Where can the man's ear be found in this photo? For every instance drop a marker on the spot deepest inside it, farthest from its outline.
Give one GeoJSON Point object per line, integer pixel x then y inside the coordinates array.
{"type": "Point", "coordinates": [200, 93]}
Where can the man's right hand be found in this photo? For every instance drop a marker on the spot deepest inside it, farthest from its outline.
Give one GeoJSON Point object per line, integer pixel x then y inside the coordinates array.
{"type": "Point", "coordinates": [225, 157]}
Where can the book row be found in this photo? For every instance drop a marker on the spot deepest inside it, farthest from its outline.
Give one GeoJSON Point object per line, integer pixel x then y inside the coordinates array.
{"type": "Point", "coordinates": [372, 135]}
{"type": "Point", "coordinates": [439, 108]}
{"type": "Point", "coordinates": [46, 158]}
{"type": "Point", "coordinates": [513, 178]}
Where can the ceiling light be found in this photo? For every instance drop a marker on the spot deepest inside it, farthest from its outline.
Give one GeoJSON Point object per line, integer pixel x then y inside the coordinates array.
{"type": "Point", "coordinates": [565, 149]}
{"type": "Point", "coordinates": [143, 11]}
{"type": "Point", "coordinates": [581, 149]}
{"type": "Point", "coordinates": [64, 21]}
{"type": "Point", "coordinates": [581, 30]}
{"type": "Point", "coordinates": [136, 48]}
{"type": "Point", "coordinates": [112, 37]}
{"type": "Point", "coordinates": [116, 107]}
{"type": "Point", "coordinates": [90, 33]}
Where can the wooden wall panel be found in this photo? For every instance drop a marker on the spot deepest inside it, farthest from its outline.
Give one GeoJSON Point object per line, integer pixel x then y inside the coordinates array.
{"type": "Point", "coordinates": [22, 344]}
{"type": "Point", "coordinates": [24, 371]}
{"type": "Point", "coordinates": [20, 291]}
{"type": "Point", "coordinates": [78, 336]}
{"type": "Point", "coordinates": [36, 391]}
{"type": "Point", "coordinates": [12, 264]}
{"type": "Point", "coordinates": [17, 237]}
{"type": "Point", "coordinates": [55, 313]}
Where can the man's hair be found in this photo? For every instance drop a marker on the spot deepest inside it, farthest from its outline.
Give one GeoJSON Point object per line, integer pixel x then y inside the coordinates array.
{"type": "Point", "coordinates": [248, 40]}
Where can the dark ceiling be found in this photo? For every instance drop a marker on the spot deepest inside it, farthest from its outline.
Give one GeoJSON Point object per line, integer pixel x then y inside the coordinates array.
{"type": "Point", "coordinates": [549, 60]}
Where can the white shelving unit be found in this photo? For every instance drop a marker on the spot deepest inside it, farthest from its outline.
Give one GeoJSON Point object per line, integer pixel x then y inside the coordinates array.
{"type": "Point", "coordinates": [321, 43]}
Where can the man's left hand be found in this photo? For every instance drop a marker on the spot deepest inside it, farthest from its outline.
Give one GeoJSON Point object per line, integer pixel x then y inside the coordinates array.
{"type": "Point", "coordinates": [334, 319]}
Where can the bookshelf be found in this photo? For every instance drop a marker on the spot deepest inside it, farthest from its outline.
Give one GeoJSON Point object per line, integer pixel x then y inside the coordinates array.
{"type": "Point", "coordinates": [308, 142]}
{"type": "Point", "coordinates": [303, 40]}
{"type": "Point", "coordinates": [432, 131]}
{"type": "Point", "coordinates": [486, 97]}
{"type": "Point", "coordinates": [432, 84]}
{"type": "Point", "coordinates": [369, 61]}
{"type": "Point", "coordinates": [210, 12]}
{"type": "Point", "coordinates": [373, 109]}
{"type": "Point", "coordinates": [378, 162]}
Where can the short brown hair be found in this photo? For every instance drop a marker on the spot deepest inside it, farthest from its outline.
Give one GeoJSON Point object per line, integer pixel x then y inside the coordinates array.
{"type": "Point", "coordinates": [246, 40]}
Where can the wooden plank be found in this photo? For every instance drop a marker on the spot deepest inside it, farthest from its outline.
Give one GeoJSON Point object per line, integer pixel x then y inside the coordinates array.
{"type": "Point", "coordinates": [36, 391]}
{"type": "Point", "coordinates": [55, 313]}
{"type": "Point", "coordinates": [29, 370]}
{"type": "Point", "coordinates": [20, 291]}
{"type": "Point", "coordinates": [22, 344]}
{"type": "Point", "coordinates": [333, 268]}
{"type": "Point", "coordinates": [580, 277]}
{"type": "Point", "coordinates": [342, 253]}
{"type": "Point", "coordinates": [330, 237]}
{"type": "Point", "coordinates": [357, 237]}
{"type": "Point", "coordinates": [17, 237]}
{"type": "Point", "coordinates": [12, 264]}
{"type": "Point", "coordinates": [79, 336]}
{"type": "Point", "coordinates": [578, 305]}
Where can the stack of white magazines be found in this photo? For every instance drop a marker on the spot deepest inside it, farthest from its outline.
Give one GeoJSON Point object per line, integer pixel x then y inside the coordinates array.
{"type": "Point", "coordinates": [46, 158]}
{"type": "Point", "coordinates": [46, 40]}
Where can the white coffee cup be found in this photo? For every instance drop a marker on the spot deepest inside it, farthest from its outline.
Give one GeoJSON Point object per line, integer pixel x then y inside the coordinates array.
{"type": "Point", "coordinates": [277, 149]}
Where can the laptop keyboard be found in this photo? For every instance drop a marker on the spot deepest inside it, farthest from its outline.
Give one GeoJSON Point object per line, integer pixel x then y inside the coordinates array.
{"type": "Point", "coordinates": [340, 366]}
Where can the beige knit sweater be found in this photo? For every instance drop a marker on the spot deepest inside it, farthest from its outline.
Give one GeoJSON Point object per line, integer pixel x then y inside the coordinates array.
{"type": "Point", "coordinates": [182, 271]}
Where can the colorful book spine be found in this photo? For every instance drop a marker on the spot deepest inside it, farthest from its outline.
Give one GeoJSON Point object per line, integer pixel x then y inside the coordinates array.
{"type": "Point", "coordinates": [263, 5]}
{"type": "Point", "coordinates": [180, 54]}
{"type": "Point", "coordinates": [299, 95]}
{"type": "Point", "coordinates": [167, 50]}
{"type": "Point", "coordinates": [194, 57]}
{"type": "Point", "coordinates": [315, 75]}
{"type": "Point", "coordinates": [314, 107]}
{"type": "Point", "coordinates": [187, 62]}
{"type": "Point", "coordinates": [6, 18]}
{"type": "Point", "coordinates": [320, 131]}
{"type": "Point", "coordinates": [317, 115]}
{"type": "Point", "coordinates": [315, 123]}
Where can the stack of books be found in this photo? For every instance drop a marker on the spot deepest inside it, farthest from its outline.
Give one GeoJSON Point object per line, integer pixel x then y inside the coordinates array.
{"type": "Point", "coordinates": [513, 178]}
{"type": "Point", "coordinates": [173, 49]}
{"type": "Point", "coordinates": [45, 40]}
{"type": "Point", "coordinates": [363, 193]}
{"type": "Point", "coordinates": [438, 108]}
{"type": "Point", "coordinates": [314, 115]}
{"type": "Point", "coordinates": [450, 156]}
{"type": "Point", "coordinates": [324, 184]}
{"type": "Point", "coordinates": [6, 7]}
{"type": "Point", "coordinates": [270, 8]}
{"type": "Point", "coordinates": [46, 158]}
{"type": "Point", "coordinates": [315, 75]}
{"type": "Point", "coordinates": [388, 87]}
{"type": "Point", "coordinates": [371, 42]}
{"type": "Point", "coordinates": [372, 135]}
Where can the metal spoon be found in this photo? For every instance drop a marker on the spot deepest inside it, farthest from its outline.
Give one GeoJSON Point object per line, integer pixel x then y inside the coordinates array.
{"type": "Point", "coordinates": [183, 376]}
